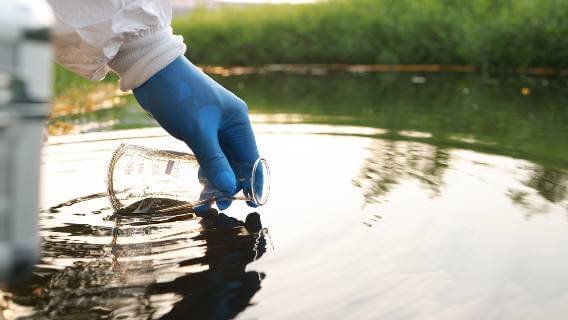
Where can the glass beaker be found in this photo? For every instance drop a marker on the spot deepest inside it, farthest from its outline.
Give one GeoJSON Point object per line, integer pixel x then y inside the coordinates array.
{"type": "Point", "coordinates": [142, 179]}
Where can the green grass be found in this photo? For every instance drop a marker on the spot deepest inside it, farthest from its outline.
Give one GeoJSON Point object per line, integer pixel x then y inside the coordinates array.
{"type": "Point", "coordinates": [493, 35]}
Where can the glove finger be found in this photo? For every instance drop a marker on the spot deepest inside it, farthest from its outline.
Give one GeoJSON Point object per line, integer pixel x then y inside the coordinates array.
{"type": "Point", "coordinates": [204, 208]}
{"type": "Point", "coordinates": [252, 204]}
{"type": "Point", "coordinates": [239, 142]}
{"type": "Point", "coordinates": [208, 196]}
{"type": "Point", "coordinates": [206, 193]}
{"type": "Point", "coordinates": [223, 200]}
{"type": "Point", "coordinates": [223, 204]}
{"type": "Point", "coordinates": [205, 144]}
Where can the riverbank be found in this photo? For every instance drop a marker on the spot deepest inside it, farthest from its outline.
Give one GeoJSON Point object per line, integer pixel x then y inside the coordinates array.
{"type": "Point", "coordinates": [491, 36]}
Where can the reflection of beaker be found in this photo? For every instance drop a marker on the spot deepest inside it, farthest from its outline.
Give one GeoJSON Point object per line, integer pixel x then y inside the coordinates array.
{"type": "Point", "coordinates": [163, 180]}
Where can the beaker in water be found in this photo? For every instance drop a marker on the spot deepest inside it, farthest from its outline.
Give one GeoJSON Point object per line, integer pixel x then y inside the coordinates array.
{"type": "Point", "coordinates": [142, 179]}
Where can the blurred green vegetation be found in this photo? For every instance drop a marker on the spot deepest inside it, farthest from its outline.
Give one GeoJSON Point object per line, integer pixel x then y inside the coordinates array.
{"type": "Point", "coordinates": [493, 35]}
{"type": "Point", "coordinates": [65, 80]}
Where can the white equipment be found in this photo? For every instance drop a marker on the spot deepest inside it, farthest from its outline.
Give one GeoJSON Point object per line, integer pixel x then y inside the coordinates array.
{"type": "Point", "coordinates": [25, 91]}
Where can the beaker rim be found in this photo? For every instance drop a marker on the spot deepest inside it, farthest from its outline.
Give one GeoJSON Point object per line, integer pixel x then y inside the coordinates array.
{"type": "Point", "coordinates": [260, 198]}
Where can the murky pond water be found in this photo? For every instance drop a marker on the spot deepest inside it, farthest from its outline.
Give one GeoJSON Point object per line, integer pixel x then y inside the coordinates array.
{"type": "Point", "coordinates": [391, 198]}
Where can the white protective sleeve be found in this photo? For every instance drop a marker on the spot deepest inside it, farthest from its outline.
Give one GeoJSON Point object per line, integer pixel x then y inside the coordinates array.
{"type": "Point", "coordinates": [132, 37]}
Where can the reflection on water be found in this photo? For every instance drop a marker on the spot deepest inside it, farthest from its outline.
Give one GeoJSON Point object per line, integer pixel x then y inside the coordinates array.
{"type": "Point", "coordinates": [393, 162]}
{"type": "Point", "coordinates": [144, 265]}
{"type": "Point", "coordinates": [551, 184]}
{"type": "Point", "coordinates": [540, 182]}
{"type": "Point", "coordinates": [486, 115]}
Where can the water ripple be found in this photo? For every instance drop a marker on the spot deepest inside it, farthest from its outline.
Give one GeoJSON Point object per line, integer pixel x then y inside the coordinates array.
{"type": "Point", "coordinates": [113, 265]}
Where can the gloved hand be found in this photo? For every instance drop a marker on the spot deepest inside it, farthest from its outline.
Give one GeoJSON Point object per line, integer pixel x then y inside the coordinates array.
{"type": "Point", "coordinates": [211, 120]}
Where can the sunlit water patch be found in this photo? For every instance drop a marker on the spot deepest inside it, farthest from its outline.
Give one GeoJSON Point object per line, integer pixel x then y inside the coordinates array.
{"type": "Point", "coordinates": [359, 227]}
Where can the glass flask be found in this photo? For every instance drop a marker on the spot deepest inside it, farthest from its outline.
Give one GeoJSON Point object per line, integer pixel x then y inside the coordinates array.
{"type": "Point", "coordinates": [142, 179]}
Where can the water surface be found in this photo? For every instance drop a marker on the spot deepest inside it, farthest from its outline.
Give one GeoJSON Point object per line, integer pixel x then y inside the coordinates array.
{"type": "Point", "coordinates": [395, 197]}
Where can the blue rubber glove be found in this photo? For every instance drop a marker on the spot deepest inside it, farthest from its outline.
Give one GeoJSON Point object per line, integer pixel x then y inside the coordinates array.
{"type": "Point", "coordinates": [211, 120]}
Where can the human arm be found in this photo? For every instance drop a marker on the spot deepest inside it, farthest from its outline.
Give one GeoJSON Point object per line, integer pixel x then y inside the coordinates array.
{"type": "Point", "coordinates": [134, 38]}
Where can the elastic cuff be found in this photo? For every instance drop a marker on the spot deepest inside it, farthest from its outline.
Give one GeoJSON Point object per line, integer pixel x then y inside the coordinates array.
{"type": "Point", "coordinates": [138, 60]}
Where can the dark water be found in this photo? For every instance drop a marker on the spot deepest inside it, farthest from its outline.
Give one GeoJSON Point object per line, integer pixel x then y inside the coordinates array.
{"type": "Point", "coordinates": [391, 198]}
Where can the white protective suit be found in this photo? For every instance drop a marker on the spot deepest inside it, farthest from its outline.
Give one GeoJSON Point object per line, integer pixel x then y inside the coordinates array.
{"type": "Point", "coordinates": [132, 37]}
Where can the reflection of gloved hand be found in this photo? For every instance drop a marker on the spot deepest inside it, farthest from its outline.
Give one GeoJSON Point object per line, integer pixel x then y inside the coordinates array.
{"type": "Point", "coordinates": [212, 121]}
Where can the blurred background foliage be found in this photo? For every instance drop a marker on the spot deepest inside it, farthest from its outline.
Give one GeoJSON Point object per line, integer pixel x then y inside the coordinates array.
{"type": "Point", "coordinates": [492, 35]}
{"type": "Point", "coordinates": [495, 36]}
